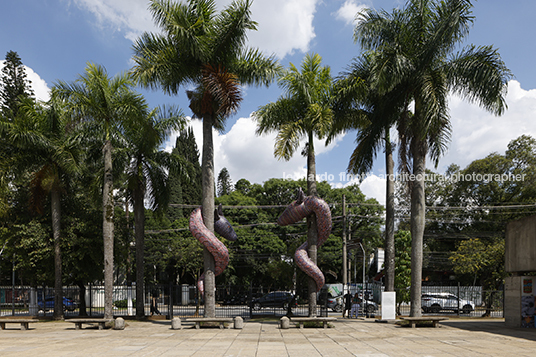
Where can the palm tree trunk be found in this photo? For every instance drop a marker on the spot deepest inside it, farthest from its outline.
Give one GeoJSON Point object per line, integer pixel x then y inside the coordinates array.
{"type": "Point", "coordinates": [207, 211]}
{"type": "Point", "coordinates": [108, 229]}
{"type": "Point", "coordinates": [312, 229]}
{"type": "Point", "coordinates": [139, 221]}
{"type": "Point", "coordinates": [389, 216]}
{"type": "Point", "coordinates": [58, 286]}
{"type": "Point", "coordinates": [418, 210]}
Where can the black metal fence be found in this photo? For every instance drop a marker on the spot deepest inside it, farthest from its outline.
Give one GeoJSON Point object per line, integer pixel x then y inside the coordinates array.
{"type": "Point", "coordinates": [231, 301]}
{"type": "Point", "coordinates": [166, 300]}
{"type": "Point", "coordinates": [467, 301]}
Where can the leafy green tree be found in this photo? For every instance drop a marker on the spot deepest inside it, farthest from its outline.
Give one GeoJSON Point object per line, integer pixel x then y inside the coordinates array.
{"type": "Point", "coordinates": [402, 267]}
{"type": "Point", "coordinates": [14, 85]}
{"type": "Point", "coordinates": [302, 111]}
{"type": "Point", "coordinates": [31, 251]}
{"type": "Point", "coordinates": [496, 180]}
{"type": "Point", "coordinates": [483, 259]}
{"type": "Point", "coordinates": [243, 186]}
{"type": "Point", "coordinates": [415, 48]}
{"type": "Point", "coordinates": [205, 49]}
{"type": "Point", "coordinates": [82, 249]}
{"type": "Point", "coordinates": [107, 105]}
{"type": "Point", "coordinates": [225, 185]}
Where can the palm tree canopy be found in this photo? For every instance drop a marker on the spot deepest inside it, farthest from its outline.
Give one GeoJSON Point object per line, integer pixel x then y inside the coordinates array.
{"type": "Point", "coordinates": [147, 165]}
{"type": "Point", "coordinates": [44, 146]}
{"type": "Point", "coordinates": [205, 49]}
{"type": "Point", "coordinates": [303, 110]}
{"type": "Point", "coordinates": [414, 53]}
{"type": "Point", "coordinates": [359, 106]}
{"type": "Point", "coordinates": [108, 102]}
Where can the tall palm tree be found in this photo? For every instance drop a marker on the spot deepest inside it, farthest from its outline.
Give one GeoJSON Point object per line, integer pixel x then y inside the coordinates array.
{"type": "Point", "coordinates": [146, 177]}
{"type": "Point", "coordinates": [206, 50]}
{"type": "Point", "coordinates": [51, 153]}
{"type": "Point", "coordinates": [111, 105]}
{"type": "Point", "coordinates": [303, 111]}
{"type": "Point", "coordinates": [415, 56]}
{"type": "Point", "coordinates": [358, 105]}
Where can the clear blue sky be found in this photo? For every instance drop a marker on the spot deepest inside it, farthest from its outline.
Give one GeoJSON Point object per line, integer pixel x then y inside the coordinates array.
{"type": "Point", "coordinates": [56, 38]}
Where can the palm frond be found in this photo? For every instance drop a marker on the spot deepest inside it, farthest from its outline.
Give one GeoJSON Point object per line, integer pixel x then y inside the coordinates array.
{"type": "Point", "coordinates": [287, 140]}
{"type": "Point", "coordinates": [254, 68]}
{"type": "Point", "coordinates": [272, 115]}
{"type": "Point", "coordinates": [479, 75]}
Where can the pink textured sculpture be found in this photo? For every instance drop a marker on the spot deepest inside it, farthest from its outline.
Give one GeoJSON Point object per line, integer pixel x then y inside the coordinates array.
{"type": "Point", "coordinates": [295, 212]}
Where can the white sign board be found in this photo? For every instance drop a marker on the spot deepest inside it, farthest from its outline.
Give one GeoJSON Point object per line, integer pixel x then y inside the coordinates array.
{"type": "Point", "coordinates": [388, 305]}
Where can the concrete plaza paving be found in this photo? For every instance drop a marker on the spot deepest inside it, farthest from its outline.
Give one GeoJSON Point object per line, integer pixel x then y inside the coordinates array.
{"type": "Point", "coordinates": [265, 338]}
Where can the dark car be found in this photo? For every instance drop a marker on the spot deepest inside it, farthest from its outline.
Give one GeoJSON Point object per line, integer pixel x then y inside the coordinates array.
{"type": "Point", "coordinates": [68, 304]}
{"type": "Point", "coordinates": [274, 299]}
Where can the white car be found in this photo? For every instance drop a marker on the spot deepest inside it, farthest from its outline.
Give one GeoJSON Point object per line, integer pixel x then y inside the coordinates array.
{"type": "Point", "coordinates": [435, 302]}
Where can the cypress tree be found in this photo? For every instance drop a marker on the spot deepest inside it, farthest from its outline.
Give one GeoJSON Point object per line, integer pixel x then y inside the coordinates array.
{"type": "Point", "coordinates": [185, 188]}
{"type": "Point", "coordinates": [225, 185]}
{"type": "Point", "coordinates": [13, 85]}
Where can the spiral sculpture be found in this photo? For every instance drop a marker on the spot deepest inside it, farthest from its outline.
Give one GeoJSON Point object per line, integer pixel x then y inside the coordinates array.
{"type": "Point", "coordinates": [211, 242]}
{"type": "Point", "coordinates": [295, 212]}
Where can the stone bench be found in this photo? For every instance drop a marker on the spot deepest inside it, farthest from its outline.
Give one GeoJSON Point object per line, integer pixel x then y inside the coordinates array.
{"type": "Point", "coordinates": [78, 322]}
{"type": "Point", "coordinates": [220, 320]}
{"type": "Point", "coordinates": [24, 323]}
{"type": "Point", "coordinates": [434, 319]}
{"type": "Point", "coordinates": [324, 320]}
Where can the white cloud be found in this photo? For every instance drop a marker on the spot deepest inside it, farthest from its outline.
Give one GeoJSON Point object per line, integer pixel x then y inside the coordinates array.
{"type": "Point", "coordinates": [130, 17]}
{"type": "Point", "coordinates": [249, 156]}
{"type": "Point", "coordinates": [283, 26]}
{"type": "Point", "coordinates": [348, 11]}
{"type": "Point", "coordinates": [374, 187]}
{"type": "Point", "coordinates": [38, 85]}
{"type": "Point", "coordinates": [477, 133]}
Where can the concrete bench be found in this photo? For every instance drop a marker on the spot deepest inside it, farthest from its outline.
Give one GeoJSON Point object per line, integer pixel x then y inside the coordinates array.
{"type": "Point", "coordinates": [220, 320]}
{"type": "Point", "coordinates": [24, 323]}
{"type": "Point", "coordinates": [78, 322]}
{"type": "Point", "coordinates": [435, 320]}
{"type": "Point", "coordinates": [324, 320]}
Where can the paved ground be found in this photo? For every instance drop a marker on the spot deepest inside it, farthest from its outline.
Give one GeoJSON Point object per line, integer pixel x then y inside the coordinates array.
{"type": "Point", "coordinates": [346, 338]}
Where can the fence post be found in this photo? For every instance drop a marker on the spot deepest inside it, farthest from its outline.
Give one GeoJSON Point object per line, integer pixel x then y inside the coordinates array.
{"type": "Point", "coordinates": [170, 307]}
{"type": "Point", "coordinates": [458, 295]}
{"type": "Point", "coordinates": [250, 302]}
{"type": "Point", "coordinates": [90, 301]}
{"type": "Point", "coordinates": [13, 288]}
{"type": "Point", "coordinates": [503, 300]}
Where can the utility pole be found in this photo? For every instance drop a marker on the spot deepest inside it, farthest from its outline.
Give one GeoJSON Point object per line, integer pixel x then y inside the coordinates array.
{"type": "Point", "coordinates": [344, 248]}
{"type": "Point", "coordinates": [349, 260]}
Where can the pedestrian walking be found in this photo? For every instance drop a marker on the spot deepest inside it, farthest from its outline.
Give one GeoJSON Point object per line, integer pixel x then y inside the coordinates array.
{"type": "Point", "coordinates": [355, 306]}
{"type": "Point", "coordinates": [154, 303]}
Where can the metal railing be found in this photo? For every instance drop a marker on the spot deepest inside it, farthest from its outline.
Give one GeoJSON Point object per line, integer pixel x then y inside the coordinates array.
{"type": "Point", "coordinates": [183, 301]}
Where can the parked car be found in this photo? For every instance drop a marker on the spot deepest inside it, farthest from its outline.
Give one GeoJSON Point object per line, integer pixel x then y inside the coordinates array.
{"type": "Point", "coordinates": [436, 302]}
{"type": "Point", "coordinates": [274, 299]}
{"type": "Point", "coordinates": [68, 304]}
{"type": "Point", "coordinates": [337, 303]}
